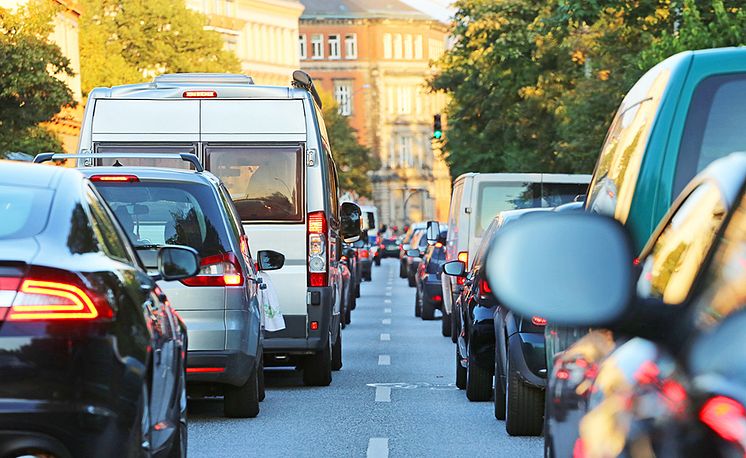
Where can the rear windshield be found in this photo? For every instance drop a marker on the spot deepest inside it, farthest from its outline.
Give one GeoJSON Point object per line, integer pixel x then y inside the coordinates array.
{"type": "Point", "coordinates": [23, 211]}
{"type": "Point", "coordinates": [496, 197]}
{"type": "Point", "coordinates": [154, 214]}
{"type": "Point", "coordinates": [265, 183]}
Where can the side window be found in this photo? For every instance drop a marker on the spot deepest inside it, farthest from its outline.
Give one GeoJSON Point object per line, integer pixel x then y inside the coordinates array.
{"type": "Point", "coordinates": [333, 184]}
{"type": "Point", "coordinates": [676, 257]}
{"type": "Point", "coordinates": [109, 237]}
{"type": "Point", "coordinates": [618, 167]}
{"type": "Point", "coordinates": [236, 227]}
{"type": "Point", "coordinates": [458, 191]}
{"type": "Point", "coordinates": [725, 280]}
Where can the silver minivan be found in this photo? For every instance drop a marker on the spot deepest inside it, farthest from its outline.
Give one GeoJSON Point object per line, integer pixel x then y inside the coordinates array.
{"type": "Point", "coordinates": [270, 148]}
{"type": "Point", "coordinates": [477, 198]}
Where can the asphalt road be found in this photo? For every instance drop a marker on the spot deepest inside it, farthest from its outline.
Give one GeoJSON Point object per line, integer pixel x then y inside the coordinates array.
{"type": "Point", "coordinates": [395, 396]}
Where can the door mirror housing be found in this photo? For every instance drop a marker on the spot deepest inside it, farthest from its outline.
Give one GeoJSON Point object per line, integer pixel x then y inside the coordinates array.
{"type": "Point", "coordinates": [177, 262]}
{"type": "Point", "coordinates": [351, 222]}
{"type": "Point", "coordinates": [413, 253]}
{"type": "Point", "coordinates": [433, 232]}
{"type": "Point", "coordinates": [270, 260]}
{"type": "Point", "coordinates": [455, 269]}
{"type": "Point", "coordinates": [571, 269]}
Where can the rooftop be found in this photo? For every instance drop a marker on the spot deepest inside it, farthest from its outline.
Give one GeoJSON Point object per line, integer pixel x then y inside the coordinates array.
{"type": "Point", "coordinates": [361, 9]}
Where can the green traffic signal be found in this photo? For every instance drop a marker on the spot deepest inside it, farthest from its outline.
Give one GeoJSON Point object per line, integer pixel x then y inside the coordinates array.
{"type": "Point", "coordinates": [438, 134]}
{"type": "Point", "coordinates": [437, 127]}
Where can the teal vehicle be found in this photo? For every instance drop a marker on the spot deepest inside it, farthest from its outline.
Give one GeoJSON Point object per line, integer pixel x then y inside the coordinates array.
{"type": "Point", "coordinates": [684, 113]}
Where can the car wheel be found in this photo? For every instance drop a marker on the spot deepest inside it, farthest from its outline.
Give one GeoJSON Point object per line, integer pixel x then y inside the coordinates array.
{"type": "Point", "coordinates": [417, 299]}
{"type": "Point", "coordinates": [455, 326]}
{"type": "Point", "coordinates": [317, 368]}
{"type": "Point", "coordinates": [243, 401]}
{"type": "Point", "coordinates": [410, 280]}
{"type": "Point", "coordinates": [428, 309]}
{"type": "Point", "coordinates": [378, 261]}
{"type": "Point", "coordinates": [369, 276]}
{"type": "Point", "coordinates": [337, 353]}
{"type": "Point", "coordinates": [445, 325]}
{"type": "Point", "coordinates": [181, 434]}
{"type": "Point", "coordinates": [402, 269]}
{"type": "Point", "coordinates": [478, 381]}
{"type": "Point", "coordinates": [460, 372]}
{"type": "Point", "coordinates": [140, 443]}
{"type": "Point", "coordinates": [357, 293]}
{"type": "Point", "coordinates": [524, 406]}
{"type": "Point", "coordinates": [498, 393]}
{"type": "Point", "coordinates": [262, 387]}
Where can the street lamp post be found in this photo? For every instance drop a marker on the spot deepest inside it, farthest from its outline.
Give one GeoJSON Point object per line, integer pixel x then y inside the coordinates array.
{"type": "Point", "coordinates": [413, 191]}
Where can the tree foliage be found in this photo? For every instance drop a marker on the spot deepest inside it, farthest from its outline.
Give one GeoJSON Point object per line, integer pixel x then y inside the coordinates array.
{"type": "Point", "coordinates": [534, 84]}
{"type": "Point", "coordinates": [30, 68]}
{"type": "Point", "coordinates": [129, 41]}
{"type": "Point", "coordinates": [354, 160]}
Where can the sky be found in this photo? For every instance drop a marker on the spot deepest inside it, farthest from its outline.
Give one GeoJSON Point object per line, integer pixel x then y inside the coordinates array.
{"type": "Point", "coordinates": [438, 8]}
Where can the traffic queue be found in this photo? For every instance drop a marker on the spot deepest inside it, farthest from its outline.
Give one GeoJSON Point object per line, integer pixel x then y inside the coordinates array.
{"type": "Point", "coordinates": [606, 311]}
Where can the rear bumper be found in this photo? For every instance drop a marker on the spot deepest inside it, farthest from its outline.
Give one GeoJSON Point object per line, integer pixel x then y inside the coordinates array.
{"type": "Point", "coordinates": [297, 338]}
{"type": "Point", "coordinates": [365, 265]}
{"type": "Point", "coordinates": [431, 287]}
{"type": "Point", "coordinates": [236, 366]}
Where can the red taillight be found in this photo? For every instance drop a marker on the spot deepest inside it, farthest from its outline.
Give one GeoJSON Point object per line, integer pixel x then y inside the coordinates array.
{"type": "Point", "coordinates": [50, 295]}
{"type": "Point", "coordinates": [343, 259]}
{"type": "Point", "coordinates": [114, 179]}
{"type": "Point", "coordinates": [538, 321]}
{"type": "Point", "coordinates": [317, 250]}
{"type": "Point", "coordinates": [636, 261]}
{"type": "Point", "coordinates": [484, 287]}
{"type": "Point", "coordinates": [205, 370]}
{"type": "Point", "coordinates": [199, 94]}
{"type": "Point", "coordinates": [464, 257]}
{"type": "Point", "coordinates": [364, 253]}
{"type": "Point", "coordinates": [563, 374]}
{"type": "Point", "coordinates": [314, 326]}
{"type": "Point", "coordinates": [437, 298]}
{"type": "Point", "coordinates": [725, 416]}
{"type": "Point", "coordinates": [218, 270]}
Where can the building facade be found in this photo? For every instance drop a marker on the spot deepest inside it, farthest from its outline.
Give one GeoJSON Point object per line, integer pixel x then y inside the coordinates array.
{"type": "Point", "coordinates": [374, 57]}
{"type": "Point", "coordinates": [262, 33]}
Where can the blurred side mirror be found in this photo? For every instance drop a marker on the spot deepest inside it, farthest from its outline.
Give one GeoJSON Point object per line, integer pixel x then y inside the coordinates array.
{"type": "Point", "coordinates": [571, 269]}
{"type": "Point", "coordinates": [433, 232]}
{"type": "Point", "coordinates": [413, 253]}
{"type": "Point", "coordinates": [270, 260]}
{"type": "Point", "coordinates": [351, 222]}
{"type": "Point", "coordinates": [177, 262]}
{"type": "Point", "coordinates": [455, 269]}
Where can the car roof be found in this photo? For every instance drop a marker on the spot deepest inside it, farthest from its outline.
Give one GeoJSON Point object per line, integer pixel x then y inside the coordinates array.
{"type": "Point", "coordinates": [155, 174]}
{"type": "Point", "coordinates": [26, 174]}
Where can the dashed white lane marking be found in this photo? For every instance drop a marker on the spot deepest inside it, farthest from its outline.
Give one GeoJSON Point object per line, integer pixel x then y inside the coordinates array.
{"type": "Point", "coordinates": [387, 310]}
{"type": "Point", "coordinates": [384, 360]}
{"type": "Point", "coordinates": [388, 293]}
{"type": "Point", "coordinates": [378, 447]}
{"type": "Point", "coordinates": [385, 336]}
{"type": "Point", "coordinates": [386, 321]}
{"type": "Point", "coordinates": [383, 394]}
{"type": "Point", "coordinates": [387, 301]}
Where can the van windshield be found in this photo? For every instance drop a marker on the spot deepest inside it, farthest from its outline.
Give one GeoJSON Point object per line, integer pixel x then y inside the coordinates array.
{"type": "Point", "coordinates": [264, 182]}
{"type": "Point", "coordinates": [496, 197]}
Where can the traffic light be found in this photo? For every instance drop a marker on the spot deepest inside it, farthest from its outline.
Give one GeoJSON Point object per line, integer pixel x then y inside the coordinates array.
{"type": "Point", "coordinates": [437, 127]}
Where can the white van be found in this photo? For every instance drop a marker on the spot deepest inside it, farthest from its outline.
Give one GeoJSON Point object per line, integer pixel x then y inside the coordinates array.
{"type": "Point", "coordinates": [478, 197]}
{"type": "Point", "coordinates": [269, 146]}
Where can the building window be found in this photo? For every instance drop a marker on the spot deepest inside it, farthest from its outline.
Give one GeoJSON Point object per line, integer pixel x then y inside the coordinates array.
{"type": "Point", "coordinates": [418, 47]}
{"type": "Point", "coordinates": [230, 8]}
{"type": "Point", "coordinates": [351, 46]}
{"type": "Point", "coordinates": [397, 46]}
{"type": "Point", "coordinates": [406, 158]}
{"type": "Point", "coordinates": [333, 41]}
{"type": "Point", "coordinates": [387, 46]}
{"type": "Point", "coordinates": [343, 95]}
{"type": "Point", "coordinates": [302, 50]}
{"type": "Point", "coordinates": [317, 46]}
{"type": "Point", "coordinates": [231, 42]}
{"type": "Point", "coordinates": [408, 47]}
{"type": "Point", "coordinates": [404, 100]}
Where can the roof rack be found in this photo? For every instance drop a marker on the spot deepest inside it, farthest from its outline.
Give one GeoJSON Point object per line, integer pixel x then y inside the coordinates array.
{"type": "Point", "coordinates": [203, 78]}
{"type": "Point", "coordinates": [303, 80]}
{"type": "Point", "coordinates": [186, 157]}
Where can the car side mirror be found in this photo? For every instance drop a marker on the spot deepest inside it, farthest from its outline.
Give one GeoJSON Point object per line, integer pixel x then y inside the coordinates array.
{"type": "Point", "coordinates": [351, 222]}
{"type": "Point", "coordinates": [455, 269]}
{"type": "Point", "coordinates": [177, 262]}
{"type": "Point", "coordinates": [433, 232]}
{"type": "Point", "coordinates": [571, 269]}
{"type": "Point", "coordinates": [413, 253]}
{"type": "Point", "coordinates": [270, 260]}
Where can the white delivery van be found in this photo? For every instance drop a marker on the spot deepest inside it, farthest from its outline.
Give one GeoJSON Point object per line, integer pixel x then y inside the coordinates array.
{"type": "Point", "coordinates": [269, 147]}
{"type": "Point", "coordinates": [477, 198]}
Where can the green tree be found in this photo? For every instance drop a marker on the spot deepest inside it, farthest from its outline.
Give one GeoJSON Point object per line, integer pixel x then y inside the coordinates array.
{"type": "Point", "coordinates": [354, 160]}
{"type": "Point", "coordinates": [129, 41]}
{"type": "Point", "coordinates": [30, 68]}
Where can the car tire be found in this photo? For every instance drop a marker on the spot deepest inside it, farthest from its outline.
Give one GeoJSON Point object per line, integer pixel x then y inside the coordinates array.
{"type": "Point", "coordinates": [428, 310]}
{"type": "Point", "coordinates": [243, 401]}
{"type": "Point", "coordinates": [378, 261]}
{"type": "Point", "coordinates": [410, 280]}
{"type": "Point", "coordinates": [260, 374]}
{"type": "Point", "coordinates": [181, 433]}
{"type": "Point", "coordinates": [337, 353]}
{"type": "Point", "coordinates": [455, 326]}
{"type": "Point", "coordinates": [357, 293]}
{"type": "Point", "coordinates": [478, 382]}
{"type": "Point", "coordinates": [524, 406]}
{"type": "Point", "coordinates": [317, 368]}
{"type": "Point", "coordinates": [445, 325]}
{"type": "Point", "coordinates": [417, 309]}
{"type": "Point", "coordinates": [402, 269]}
{"type": "Point", "coordinates": [460, 372]}
{"type": "Point", "coordinates": [498, 393]}
{"type": "Point", "coordinates": [369, 276]}
{"type": "Point", "coordinates": [140, 442]}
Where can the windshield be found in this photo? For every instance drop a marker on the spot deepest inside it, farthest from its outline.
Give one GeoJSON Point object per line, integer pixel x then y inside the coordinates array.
{"type": "Point", "coordinates": [23, 211]}
{"type": "Point", "coordinates": [264, 182]}
{"type": "Point", "coordinates": [154, 214]}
